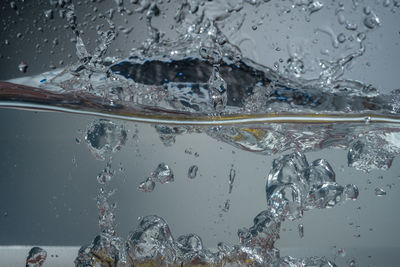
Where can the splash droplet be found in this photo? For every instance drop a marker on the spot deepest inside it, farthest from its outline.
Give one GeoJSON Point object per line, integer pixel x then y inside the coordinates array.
{"type": "Point", "coordinates": [23, 67]}
{"type": "Point", "coordinates": [48, 14]}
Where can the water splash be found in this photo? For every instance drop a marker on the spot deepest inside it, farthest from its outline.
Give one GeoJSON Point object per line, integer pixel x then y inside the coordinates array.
{"type": "Point", "coordinates": [202, 76]}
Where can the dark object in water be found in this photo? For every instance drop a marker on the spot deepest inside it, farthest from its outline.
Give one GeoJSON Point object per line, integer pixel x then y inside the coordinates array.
{"type": "Point", "coordinates": [243, 77]}
{"type": "Point", "coordinates": [239, 77]}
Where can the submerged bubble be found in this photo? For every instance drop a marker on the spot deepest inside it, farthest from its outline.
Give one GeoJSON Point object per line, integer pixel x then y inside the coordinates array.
{"type": "Point", "coordinates": [341, 38]}
{"type": "Point", "coordinates": [351, 191]}
{"type": "Point", "coordinates": [301, 230]}
{"type": "Point", "coordinates": [147, 185]}
{"type": "Point", "coordinates": [36, 257]}
{"type": "Point", "coordinates": [371, 21]}
{"type": "Point", "coordinates": [163, 174]}
{"type": "Point", "coordinates": [151, 240]}
{"type": "Point", "coordinates": [294, 186]}
{"type": "Point", "coordinates": [105, 137]}
{"type": "Point", "coordinates": [106, 175]}
{"type": "Point", "coordinates": [380, 192]}
{"type": "Point", "coordinates": [232, 175]}
{"type": "Point", "coordinates": [192, 172]}
{"type": "Point", "coordinates": [189, 243]}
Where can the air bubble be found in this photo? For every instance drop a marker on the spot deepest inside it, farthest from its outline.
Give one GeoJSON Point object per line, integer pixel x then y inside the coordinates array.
{"type": "Point", "coordinates": [163, 174]}
{"type": "Point", "coordinates": [147, 185]}
{"type": "Point", "coordinates": [341, 38]}
{"type": "Point", "coordinates": [192, 172]}
{"type": "Point", "coordinates": [380, 192]}
{"type": "Point", "coordinates": [301, 230]}
{"type": "Point", "coordinates": [372, 21]}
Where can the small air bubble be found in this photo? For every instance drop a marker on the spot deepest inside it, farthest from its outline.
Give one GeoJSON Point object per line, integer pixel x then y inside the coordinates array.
{"type": "Point", "coordinates": [301, 230]}
{"type": "Point", "coordinates": [380, 192]}
{"type": "Point", "coordinates": [147, 186]}
{"type": "Point", "coordinates": [341, 38]}
{"type": "Point", "coordinates": [192, 172]}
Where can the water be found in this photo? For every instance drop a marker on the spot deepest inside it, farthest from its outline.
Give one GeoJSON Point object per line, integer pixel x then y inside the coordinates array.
{"type": "Point", "coordinates": [267, 148]}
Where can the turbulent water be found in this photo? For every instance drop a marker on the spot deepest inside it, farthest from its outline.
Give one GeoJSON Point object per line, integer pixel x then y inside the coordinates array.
{"type": "Point", "coordinates": [199, 82]}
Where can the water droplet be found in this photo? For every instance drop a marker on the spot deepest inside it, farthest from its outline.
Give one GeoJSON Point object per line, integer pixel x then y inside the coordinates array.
{"type": "Point", "coordinates": [36, 257]}
{"type": "Point", "coordinates": [380, 192]}
{"type": "Point", "coordinates": [163, 174]}
{"type": "Point", "coordinates": [147, 185]}
{"type": "Point", "coordinates": [48, 14]}
{"type": "Point", "coordinates": [13, 5]}
{"type": "Point", "coordinates": [192, 172]}
{"type": "Point", "coordinates": [23, 66]}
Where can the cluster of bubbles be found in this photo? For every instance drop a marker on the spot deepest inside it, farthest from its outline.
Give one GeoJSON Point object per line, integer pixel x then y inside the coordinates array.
{"type": "Point", "coordinates": [162, 174]}
{"type": "Point", "coordinates": [293, 186]}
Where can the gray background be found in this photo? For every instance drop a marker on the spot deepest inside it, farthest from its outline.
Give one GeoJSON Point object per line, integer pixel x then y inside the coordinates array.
{"type": "Point", "coordinates": [48, 181]}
